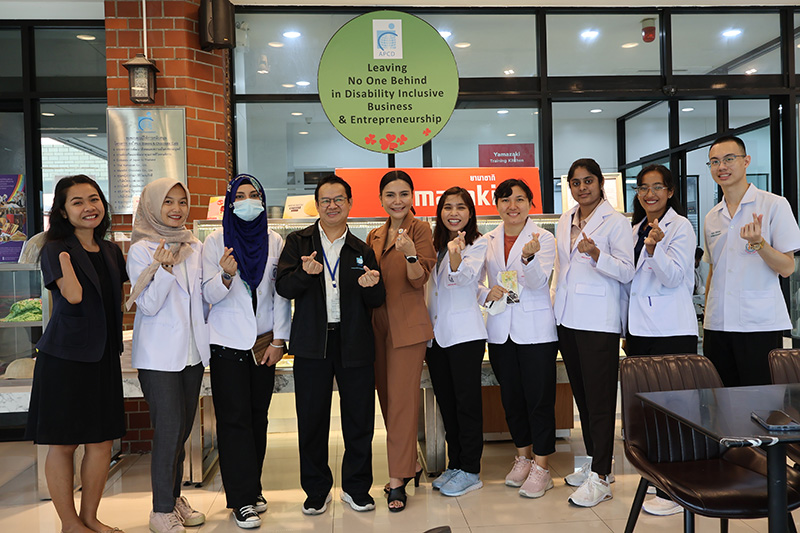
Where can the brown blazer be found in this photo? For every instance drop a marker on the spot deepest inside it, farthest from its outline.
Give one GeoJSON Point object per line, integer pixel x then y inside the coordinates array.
{"type": "Point", "coordinates": [409, 322]}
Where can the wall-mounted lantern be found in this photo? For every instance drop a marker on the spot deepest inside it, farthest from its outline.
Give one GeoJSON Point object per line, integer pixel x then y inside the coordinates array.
{"type": "Point", "coordinates": [141, 79]}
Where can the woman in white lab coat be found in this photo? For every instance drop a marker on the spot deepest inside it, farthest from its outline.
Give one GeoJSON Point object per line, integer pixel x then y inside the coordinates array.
{"type": "Point", "coordinates": [522, 334]}
{"type": "Point", "coordinates": [594, 262]}
{"type": "Point", "coordinates": [661, 316]}
{"type": "Point", "coordinates": [248, 327]}
{"type": "Point", "coordinates": [455, 355]}
{"type": "Point", "coordinates": [170, 338]}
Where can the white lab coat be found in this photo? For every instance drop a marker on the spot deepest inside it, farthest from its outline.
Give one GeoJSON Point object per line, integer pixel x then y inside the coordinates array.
{"type": "Point", "coordinates": [165, 309]}
{"type": "Point", "coordinates": [659, 299]}
{"type": "Point", "coordinates": [587, 295]}
{"type": "Point", "coordinates": [453, 298]}
{"type": "Point", "coordinates": [531, 320]}
{"type": "Point", "coordinates": [231, 320]}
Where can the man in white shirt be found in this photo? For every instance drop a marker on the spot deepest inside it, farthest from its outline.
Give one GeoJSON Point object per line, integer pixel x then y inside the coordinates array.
{"type": "Point", "coordinates": [751, 237]}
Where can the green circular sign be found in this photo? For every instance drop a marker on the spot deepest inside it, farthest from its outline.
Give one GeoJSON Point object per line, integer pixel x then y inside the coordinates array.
{"type": "Point", "coordinates": [388, 81]}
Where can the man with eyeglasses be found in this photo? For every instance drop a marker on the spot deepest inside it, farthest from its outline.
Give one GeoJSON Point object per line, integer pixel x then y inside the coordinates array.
{"type": "Point", "coordinates": [333, 278]}
{"type": "Point", "coordinates": [750, 237]}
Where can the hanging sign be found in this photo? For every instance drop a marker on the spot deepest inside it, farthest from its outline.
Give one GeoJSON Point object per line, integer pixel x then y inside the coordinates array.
{"type": "Point", "coordinates": [13, 217]}
{"type": "Point", "coordinates": [388, 81]}
{"type": "Point", "coordinates": [144, 144]}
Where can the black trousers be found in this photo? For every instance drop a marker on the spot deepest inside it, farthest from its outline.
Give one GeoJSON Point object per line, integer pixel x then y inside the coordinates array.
{"type": "Point", "coordinates": [456, 377]}
{"type": "Point", "coordinates": [678, 344]}
{"type": "Point", "coordinates": [313, 385]}
{"type": "Point", "coordinates": [527, 377]}
{"type": "Point", "coordinates": [592, 362]}
{"type": "Point", "coordinates": [242, 392]}
{"type": "Point", "coordinates": [741, 358]}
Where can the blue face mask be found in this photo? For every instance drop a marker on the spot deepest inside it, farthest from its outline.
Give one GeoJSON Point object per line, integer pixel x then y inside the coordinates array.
{"type": "Point", "coordinates": [248, 209]}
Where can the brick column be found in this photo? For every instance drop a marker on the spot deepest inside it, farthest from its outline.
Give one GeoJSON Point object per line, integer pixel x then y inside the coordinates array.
{"type": "Point", "coordinates": [190, 78]}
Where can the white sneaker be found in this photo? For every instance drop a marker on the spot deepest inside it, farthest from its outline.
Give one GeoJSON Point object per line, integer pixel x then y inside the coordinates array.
{"type": "Point", "coordinates": [661, 507]}
{"type": "Point", "coordinates": [189, 516]}
{"type": "Point", "coordinates": [519, 472]}
{"type": "Point", "coordinates": [578, 477]}
{"type": "Point", "coordinates": [593, 491]}
{"type": "Point", "coordinates": [166, 523]}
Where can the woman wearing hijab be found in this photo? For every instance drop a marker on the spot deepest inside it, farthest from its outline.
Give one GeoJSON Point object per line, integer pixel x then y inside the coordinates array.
{"type": "Point", "coordinates": [170, 339]}
{"type": "Point", "coordinates": [248, 327]}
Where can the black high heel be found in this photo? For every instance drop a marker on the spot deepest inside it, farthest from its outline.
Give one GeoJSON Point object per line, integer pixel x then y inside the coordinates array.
{"type": "Point", "coordinates": [406, 480]}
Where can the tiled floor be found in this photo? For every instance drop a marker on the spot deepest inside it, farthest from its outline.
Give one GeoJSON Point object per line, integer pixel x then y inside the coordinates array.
{"type": "Point", "coordinates": [495, 508]}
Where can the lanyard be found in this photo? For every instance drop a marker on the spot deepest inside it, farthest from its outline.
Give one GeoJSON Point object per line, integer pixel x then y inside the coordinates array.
{"type": "Point", "coordinates": [335, 267]}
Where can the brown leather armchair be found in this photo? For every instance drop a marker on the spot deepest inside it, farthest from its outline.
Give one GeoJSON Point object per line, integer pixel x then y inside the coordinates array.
{"type": "Point", "coordinates": [698, 473]}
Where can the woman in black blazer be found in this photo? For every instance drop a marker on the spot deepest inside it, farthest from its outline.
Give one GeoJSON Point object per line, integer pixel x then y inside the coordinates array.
{"type": "Point", "coordinates": [77, 384]}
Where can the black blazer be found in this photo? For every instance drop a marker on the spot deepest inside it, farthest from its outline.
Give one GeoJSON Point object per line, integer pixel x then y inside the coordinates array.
{"type": "Point", "coordinates": [310, 320]}
{"type": "Point", "coordinates": [78, 331]}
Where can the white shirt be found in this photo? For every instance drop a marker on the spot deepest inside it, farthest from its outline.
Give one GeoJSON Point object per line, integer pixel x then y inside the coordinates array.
{"type": "Point", "coordinates": [453, 298]}
{"type": "Point", "coordinates": [587, 295]}
{"type": "Point", "coordinates": [330, 265]}
{"type": "Point", "coordinates": [659, 299]}
{"type": "Point", "coordinates": [745, 294]}
{"type": "Point", "coordinates": [531, 320]}
{"type": "Point", "coordinates": [231, 320]}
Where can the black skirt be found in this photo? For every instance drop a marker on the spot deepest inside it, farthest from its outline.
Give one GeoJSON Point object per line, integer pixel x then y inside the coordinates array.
{"type": "Point", "coordinates": [74, 402]}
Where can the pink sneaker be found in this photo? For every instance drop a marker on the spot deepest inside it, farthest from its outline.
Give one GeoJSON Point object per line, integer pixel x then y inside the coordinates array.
{"type": "Point", "coordinates": [519, 472]}
{"type": "Point", "coordinates": [538, 482]}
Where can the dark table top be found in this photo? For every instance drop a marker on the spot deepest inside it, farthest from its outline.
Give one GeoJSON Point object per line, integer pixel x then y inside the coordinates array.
{"type": "Point", "coordinates": [724, 414]}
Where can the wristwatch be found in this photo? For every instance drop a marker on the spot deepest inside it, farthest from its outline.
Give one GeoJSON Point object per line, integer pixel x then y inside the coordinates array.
{"type": "Point", "coordinates": [226, 276]}
{"type": "Point", "coordinates": [411, 259]}
{"type": "Point", "coordinates": [528, 259]}
{"type": "Point", "coordinates": [755, 247]}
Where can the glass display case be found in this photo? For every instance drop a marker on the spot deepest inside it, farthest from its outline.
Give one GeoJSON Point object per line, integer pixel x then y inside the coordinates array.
{"type": "Point", "coordinates": [24, 311]}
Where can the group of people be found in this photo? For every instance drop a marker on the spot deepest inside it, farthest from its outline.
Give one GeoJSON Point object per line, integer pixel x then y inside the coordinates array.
{"type": "Point", "coordinates": [368, 314]}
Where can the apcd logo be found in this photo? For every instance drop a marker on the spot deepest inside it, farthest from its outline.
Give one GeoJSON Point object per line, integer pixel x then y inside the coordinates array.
{"type": "Point", "coordinates": [387, 39]}
{"type": "Point", "coordinates": [146, 122]}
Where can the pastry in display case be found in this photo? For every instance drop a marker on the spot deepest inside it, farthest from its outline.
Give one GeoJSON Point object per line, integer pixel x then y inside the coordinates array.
{"type": "Point", "coordinates": [24, 307]}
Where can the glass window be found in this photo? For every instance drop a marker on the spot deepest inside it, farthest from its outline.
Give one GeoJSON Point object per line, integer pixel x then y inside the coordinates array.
{"type": "Point", "coordinates": [288, 146]}
{"type": "Point", "coordinates": [489, 46]}
{"type": "Point", "coordinates": [696, 118]}
{"type": "Point", "coordinates": [743, 112]}
{"type": "Point", "coordinates": [70, 59]}
{"type": "Point", "coordinates": [726, 43]}
{"type": "Point", "coordinates": [458, 144]}
{"type": "Point", "coordinates": [797, 45]}
{"type": "Point", "coordinates": [74, 141]}
{"type": "Point", "coordinates": [279, 53]}
{"type": "Point", "coordinates": [647, 132]}
{"type": "Point", "coordinates": [601, 45]}
{"type": "Point", "coordinates": [10, 60]}
{"type": "Point", "coordinates": [758, 148]}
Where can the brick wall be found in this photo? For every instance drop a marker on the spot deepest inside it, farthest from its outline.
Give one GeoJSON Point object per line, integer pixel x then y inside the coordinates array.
{"type": "Point", "coordinates": [190, 78]}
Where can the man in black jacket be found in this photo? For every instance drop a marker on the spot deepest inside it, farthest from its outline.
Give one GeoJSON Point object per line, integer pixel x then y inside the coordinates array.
{"type": "Point", "coordinates": [333, 278]}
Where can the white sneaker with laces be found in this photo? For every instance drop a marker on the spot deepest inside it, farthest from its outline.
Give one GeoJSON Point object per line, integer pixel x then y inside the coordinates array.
{"type": "Point", "coordinates": [578, 477]}
{"type": "Point", "coordinates": [166, 523]}
{"type": "Point", "coordinates": [593, 491]}
{"type": "Point", "coordinates": [661, 507]}
{"type": "Point", "coordinates": [189, 516]}
{"type": "Point", "coordinates": [519, 471]}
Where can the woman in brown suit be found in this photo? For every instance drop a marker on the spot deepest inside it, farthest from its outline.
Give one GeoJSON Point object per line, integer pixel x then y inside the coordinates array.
{"type": "Point", "coordinates": [404, 248]}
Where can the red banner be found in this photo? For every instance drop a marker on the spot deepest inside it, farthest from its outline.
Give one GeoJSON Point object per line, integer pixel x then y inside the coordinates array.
{"type": "Point", "coordinates": [430, 183]}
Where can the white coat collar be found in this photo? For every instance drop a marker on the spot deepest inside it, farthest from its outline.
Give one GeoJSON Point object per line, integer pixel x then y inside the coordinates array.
{"type": "Point", "coordinates": [497, 239]}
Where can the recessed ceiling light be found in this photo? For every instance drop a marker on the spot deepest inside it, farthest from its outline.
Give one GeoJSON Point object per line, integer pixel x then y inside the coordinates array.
{"type": "Point", "coordinates": [589, 34]}
{"type": "Point", "coordinates": [291, 34]}
{"type": "Point", "coordinates": [297, 114]}
{"type": "Point", "coordinates": [751, 71]}
{"type": "Point", "coordinates": [687, 109]}
{"type": "Point", "coordinates": [508, 72]}
{"type": "Point", "coordinates": [91, 135]}
{"type": "Point", "coordinates": [275, 44]}
{"type": "Point", "coordinates": [535, 112]}
{"type": "Point", "coordinates": [595, 111]}
{"type": "Point", "coordinates": [302, 133]}
{"type": "Point", "coordinates": [511, 134]}
{"type": "Point", "coordinates": [287, 85]}
{"type": "Point", "coordinates": [731, 33]}
{"type": "Point", "coordinates": [46, 114]}
{"type": "Point", "coordinates": [630, 45]}
{"type": "Point", "coordinates": [502, 111]}
{"type": "Point", "coordinates": [445, 34]}
{"type": "Point", "coordinates": [303, 83]}
{"type": "Point", "coordinates": [462, 45]}
{"type": "Point", "coordinates": [262, 71]}
{"type": "Point", "coordinates": [85, 37]}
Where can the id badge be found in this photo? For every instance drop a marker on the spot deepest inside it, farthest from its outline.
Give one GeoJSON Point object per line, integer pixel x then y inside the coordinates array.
{"type": "Point", "coordinates": [508, 280]}
{"type": "Point", "coordinates": [335, 304]}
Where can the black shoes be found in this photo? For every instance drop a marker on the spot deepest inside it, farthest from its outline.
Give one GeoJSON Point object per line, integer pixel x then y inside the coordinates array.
{"type": "Point", "coordinates": [246, 517]}
{"type": "Point", "coordinates": [316, 505]}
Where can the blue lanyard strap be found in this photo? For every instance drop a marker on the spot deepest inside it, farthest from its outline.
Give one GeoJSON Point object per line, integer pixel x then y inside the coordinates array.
{"type": "Point", "coordinates": [335, 267]}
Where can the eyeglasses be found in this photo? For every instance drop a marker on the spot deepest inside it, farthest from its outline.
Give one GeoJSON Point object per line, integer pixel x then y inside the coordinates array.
{"type": "Point", "coordinates": [728, 160]}
{"type": "Point", "coordinates": [644, 189]}
{"type": "Point", "coordinates": [326, 202]}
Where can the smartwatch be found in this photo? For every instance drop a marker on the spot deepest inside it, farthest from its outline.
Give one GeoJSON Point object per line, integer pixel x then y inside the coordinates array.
{"type": "Point", "coordinates": [226, 276]}
{"type": "Point", "coordinates": [411, 259]}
